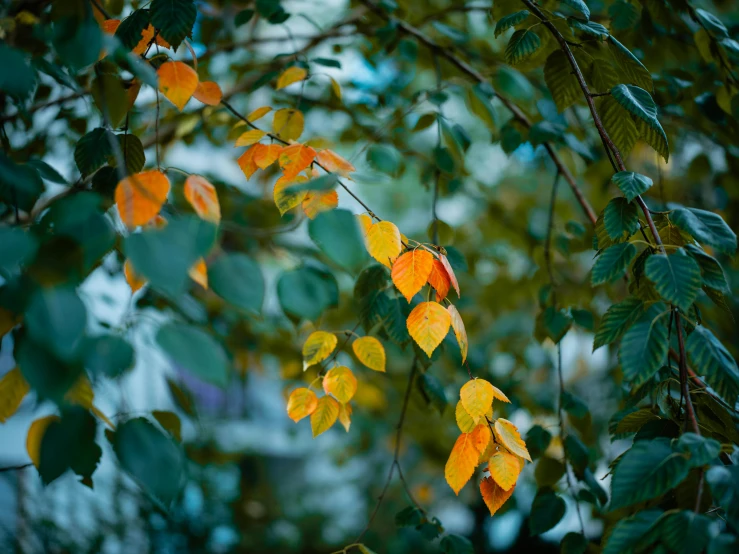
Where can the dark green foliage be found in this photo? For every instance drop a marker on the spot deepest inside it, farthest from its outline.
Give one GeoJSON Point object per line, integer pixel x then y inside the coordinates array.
{"type": "Point", "coordinates": [631, 184]}
{"type": "Point", "coordinates": [130, 29]}
{"type": "Point", "coordinates": [337, 234]}
{"type": "Point", "coordinates": [109, 355]}
{"type": "Point", "coordinates": [522, 46]}
{"type": "Point", "coordinates": [173, 19]}
{"type": "Point", "coordinates": [546, 511]}
{"type": "Point", "coordinates": [639, 103]}
{"type": "Point", "coordinates": [196, 351]}
{"type": "Point", "coordinates": [707, 227]}
{"type": "Point", "coordinates": [510, 20]}
{"type": "Point", "coordinates": [644, 346]}
{"type": "Point", "coordinates": [307, 292]}
{"type": "Point", "coordinates": [712, 361]}
{"type": "Point", "coordinates": [93, 151]}
{"type": "Point", "coordinates": [612, 263]}
{"type": "Point", "coordinates": [621, 218]}
{"type": "Point", "coordinates": [676, 277]}
{"type": "Point", "coordinates": [69, 443]}
{"type": "Point", "coordinates": [238, 280]}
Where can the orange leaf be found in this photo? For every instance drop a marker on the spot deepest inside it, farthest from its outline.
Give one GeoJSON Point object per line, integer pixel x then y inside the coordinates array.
{"type": "Point", "coordinates": [428, 324]}
{"type": "Point", "coordinates": [439, 279]}
{"type": "Point", "coordinates": [140, 197]}
{"type": "Point", "coordinates": [134, 280]}
{"type": "Point", "coordinates": [341, 383]}
{"type": "Point", "coordinates": [464, 457]}
{"type": "Point", "coordinates": [249, 137]}
{"type": "Point", "coordinates": [208, 92]}
{"type": "Point", "coordinates": [383, 242]}
{"type": "Point", "coordinates": [504, 468]}
{"type": "Point", "coordinates": [295, 158]}
{"type": "Point", "coordinates": [450, 272]}
{"type": "Point", "coordinates": [266, 154]}
{"type": "Point", "coordinates": [178, 82]}
{"type": "Point", "coordinates": [199, 273]}
{"type": "Point", "coordinates": [324, 416]}
{"type": "Point", "coordinates": [494, 495]}
{"type": "Point", "coordinates": [316, 202]}
{"type": "Point", "coordinates": [246, 162]}
{"type": "Point", "coordinates": [146, 36]}
{"type": "Point", "coordinates": [334, 163]}
{"type": "Point", "coordinates": [302, 403]}
{"type": "Point", "coordinates": [203, 198]}
{"type": "Point", "coordinates": [411, 271]}
{"type": "Point", "coordinates": [507, 434]}
{"type": "Point", "coordinates": [459, 331]}
{"type": "Point", "coordinates": [287, 200]}
{"type": "Point", "coordinates": [110, 25]}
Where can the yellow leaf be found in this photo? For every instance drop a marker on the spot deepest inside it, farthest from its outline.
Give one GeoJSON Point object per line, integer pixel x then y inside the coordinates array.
{"type": "Point", "coordinates": [199, 273]}
{"type": "Point", "coordinates": [140, 197]}
{"type": "Point", "coordinates": [345, 416]}
{"type": "Point", "coordinates": [477, 398]}
{"type": "Point", "coordinates": [459, 331]}
{"type": "Point", "coordinates": [291, 75]}
{"type": "Point", "coordinates": [249, 137]}
{"type": "Point", "coordinates": [370, 352]}
{"type": "Point", "coordinates": [302, 403]}
{"type": "Point", "coordinates": [258, 113]}
{"type": "Point", "coordinates": [13, 389]}
{"type": "Point", "coordinates": [266, 154]}
{"type": "Point", "coordinates": [411, 271]}
{"type": "Point", "coordinates": [288, 124]}
{"type": "Point", "coordinates": [246, 162]}
{"type": "Point", "coordinates": [334, 163]}
{"type": "Point", "coordinates": [208, 93]}
{"type": "Point", "coordinates": [428, 324]}
{"type": "Point", "coordinates": [335, 87]}
{"type": "Point", "coordinates": [35, 435]}
{"type": "Point", "coordinates": [464, 420]}
{"type": "Point", "coordinates": [497, 393]}
{"type": "Point", "coordinates": [383, 242]}
{"type": "Point", "coordinates": [295, 158]}
{"type": "Point", "coordinates": [439, 279]}
{"type": "Point", "coordinates": [134, 280]}
{"type": "Point", "coordinates": [178, 82]}
{"type": "Point", "coordinates": [203, 198]}
{"type": "Point", "coordinates": [494, 495]}
{"type": "Point", "coordinates": [504, 468]}
{"type": "Point", "coordinates": [317, 348]}
{"type": "Point", "coordinates": [324, 416]}
{"type": "Point", "coordinates": [81, 393]}
{"type": "Point", "coordinates": [341, 383]}
{"type": "Point", "coordinates": [507, 435]}
{"type": "Point", "coordinates": [316, 202]}
{"type": "Point", "coordinates": [365, 222]}
{"type": "Point", "coordinates": [286, 200]}
{"type": "Point", "coordinates": [450, 272]}
{"type": "Point", "coordinates": [464, 457]}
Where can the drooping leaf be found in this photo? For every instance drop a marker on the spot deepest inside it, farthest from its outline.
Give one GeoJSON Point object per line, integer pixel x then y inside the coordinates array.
{"type": "Point", "coordinates": [676, 277]}
{"type": "Point", "coordinates": [177, 81]}
{"type": "Point", "coordinates": [504, 468]}
{"type": "Point", "coordinates": [411, 271]}
{"type": "Point", "coordinates": [493, 495]}
{"type": "Point", "coordinates": [616, 320]}
{"type": "Point", "coordinates": [522, 45]}
{"type": "Point", "coordinates": [174, 19]}
{"type": "Point", "coordinates": [318, 347]}
{"type": "Point", "coordinates": [547, 510]}
{"type": "Point", "coordinates": [639, 103]}
{"type": "Point", "coordinates": [459, 331]}
{"type": "Point", "coordinates": [711, 270]}
{"type": "Point", "coordinates": [509, 21]}
{"type": "Point", "coordinates": [341, 383]}
{"type": "Point", "coordinates": [428, 324]}
{"type": "Point", "coordinates": [621, 218]}
{"type": "Point", "coordinates": [324, 416]}
{"type": "Point", "coordinates": [580, 6]}
{"type": "Point", "coordinates": [439, 279]}
{"type": "Point", "coordinates": [507, 434]}
{"type": "Point", "coordinates": [370, 352]}
{"type": "Point", "coordinates": [612, 263]}
{"type": "Point", "coordinates": [643, 346]}
{"type": "Point", "coordinates": [631, 184]}
{"type": "Point", "coordinates": [140, 197]}
{"type": "Point", "coordinates": [706, 227]}
{"type": "Point", "coordinates": [383, 242]}
{"type": "Point", "coordinates": [196, 351]}
{"type": "Point", "coordinates": [618, 123]}
{"type": "Point", "coordinates": [477, 398]}
{"type": "Point", "coordinates": [631, 68]}
{"type": "Point", "coordinates": [710, 359]}
{"type": "Point", "coordinates": [203, 198]}
{"type": "Point", "coordinates": [464, 457]}
{"type": "Point", "coordinates": [561, 82]}
{"type": "Point", "coordinates": [93, 151]}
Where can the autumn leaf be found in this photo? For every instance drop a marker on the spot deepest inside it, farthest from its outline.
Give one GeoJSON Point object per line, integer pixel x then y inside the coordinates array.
{"type": "Point", "coordinates": [411, 271]}
{"type": "Point", "coordinates": [199, 273]}
{"type": "Point", "coordinates": [13, 389]}
{"type": "Point", "coordinates": [383, 242]}
{"type": "Point", "coordinates": [288, 124]}
{"type": "Point", "coordinates": [316, 202]}
{"type": "Point", "coordinates": [450, 273]}
{"type": "Point", "coordinates": [140, 197]}
{"type": "Point", "coordinates": [439, 279]}
{"type": "Point", "coordinates": [266, 154]}
{"type": "Point", "coordinates": [246, 162]}
{"type": "Point", "coordinates": [477, 398]}
{"type": "Point", "coordinates": [302, 403]}
{"type": "Point", "coordinates": [498, 394]}
{"type": "Point", "coordinates": [109, 26]}
{"type": "Point", "coordinates": [504, 469]}
{"type": "Point", "coordinates": [341, 383]}
{"type": "Point", "coordinates": [464, 420]}
{"type": "Point", "coordinates": [507, 434]}
{"type": "Point", "coordinates": [324, 416]}
{"type": "Point", "coordinates": [428, 324]}
{"type": "Point", "coordinates": [35, 436]}
{"type": "Point", "coordinates": [494, 495]}
{"type": "Point", "coordinates": [459, 330]}
{"type": "Point", "coordinates": [208, 93]}
{"type": "Point", "coordinates": [345, 416]}
{"type": "Point", "coordinates": [178, 82]}
{"type": "Point", "coordinates": [365, 222]}
{"type": "Point", "coordinates": [258, 114]}
{"type": "Point", "coordinates": [147, 35]}
{"type": "Point", "coordinates": [334, 163]}
{"type": "Point", "coordinates": [203, 198]}
{"type": "Point", "coordinates": [291, 75]}
{"type": "Point", "coordinates": [370, 352]}
{"type": "Point", "coordinates": [295, 158]}
{"type": "Point", "coordinates": [318, 347]}
{"type": "Point", "coordinates": [464, 457]}
{"type": "Point", "coordinates": [134, 280]}
{"type": "Point", "coordinates": [286, 199]}
{"type": "Point", "coordinates": [249, 137]}
{"type": "Point", "coordinates": [81, 393]}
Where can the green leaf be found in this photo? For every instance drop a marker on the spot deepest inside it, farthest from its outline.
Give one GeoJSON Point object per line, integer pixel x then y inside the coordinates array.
{"type": "Point", "coordinates": [384, 159]}
{"type": "Point", "coordinates": [724, 543]}
{"type": "Point", "coordinates": [712, 23]}
{"type": "Point", "coordinates": [646, 471]}
{"type": "Point", "coordinates": [616, 320]}
{"type": "Point", "coordinates": [133, 153]}
{"type": "Point", "coordinates": [624, 15]}
{"type": "Point", "coordinates": [174, 19]}
{"type": "Point", "coordinates": [16, 76]}
{"type": "Point", "coordinates": [433, 391]}
{"type": "Point", "coordinates": [164, 256]}
{"type": "Point", "coordinates": [195, 351]}
{"type": "Point", "coordinates": [238, 280]}
{"type": "Point", "coordinates": [577, 454]}
{"type": "Point", "coordinates": [621, 218]}
{"type": "Point", "coordinates": [631, 184]}
{"type": "Point", "coordinates": [17, 247]}
{"type": "Point", "coordinates": [685, 532]}
{"type": "Point", "coordinates": [537, 441]}
{"type": "Point", "coordinates": [108, 355]}
{"type": "Point", "coordinates": [337, 234]}
{"type": "Point", "coordinates": [322, 183]}
{"type": "Point", "coordinates": [711, 270]}
{"type": "Point", "coordinates": [48, 375]}
{"type": "Point", "coordinates": [130, 29]}
{"type": "Point", "coordinates": [244, 16]}
{"type": "Point", "coordinates": [560, 81]}
{"type": "Point", "coordinates": [509, 21]}
{"type": "Point", "coordinates": [627, 533]}
{"type": "Point", "coordinates": [702, 450]}
{"type": "Point", "coordinates": [711, 360]}
{"type": "Point", "coordinates": [639, 103]}
{"type": "Point", "coordinates": [57, 318]}
{"type": "Point", "coordinates": [47, 172]}
{"type": "Point", "coordinates": [307, 292]}
{"type": "Point", "coordinates": [150, 457]}
{"type": "Point", "coordinates": [69, 443]}
{"type": "Point", "coordinates": [706, 227]}
{"type": "Point", "coordinates": [20, 185]}
{"type": "Point", "coordinates": [410, 516]}
{"type": "Point", "coordinates": [456, 544]}
{"type": "Point", "coordinates": [631, 68]}
{"type": "Point", "coordinates": [588, 27]}
{"type": "Point", "coordinates": [573, 543]}
{"type": "Point", "coordinates": [579, 6]}
{"type": "Point", "coordinates": [393, 312]}
{"type": "Point", "coordinates": [522, 46]}
{"type": "Point", "coordinates": [110, 94]}
{"type": "Point", "coordinates": [546, 511]}
{"type": "Point", "coordinates": [612, 263]}
{"type": "Point", "coordinates": [450, 32]}
{"type": "Point", "coordinates": [619, 125]}
{"type": "Point", "coordinates": [574, 405]}
{"type": "Point", "coordinates": [77, 42]}
{"type": "Point", "coordinates": [676, 276]}
{"type": "Point", "coordinates": [554, 323]}
{"type": "Point", "coordinates": [634, 421]}
{"type": "Point", "coordinates": [92, 151]}
{"type": "Point", "coordinates": [644, 347]}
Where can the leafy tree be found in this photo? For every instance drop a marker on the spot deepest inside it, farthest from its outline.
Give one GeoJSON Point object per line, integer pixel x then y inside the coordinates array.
{"type": "Point", "coordinates": [618, 124]}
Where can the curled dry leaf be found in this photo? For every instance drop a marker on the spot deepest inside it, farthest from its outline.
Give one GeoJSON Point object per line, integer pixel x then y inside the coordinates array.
{"type": "Point", "coordinates": [370, 352]}
{"type": "Point", "coordinates": [140, 197]}
{"type": "Point", "coordinates": [318, 347]}
{"type": "Point", "coordinates": [324, 416]}
{"type": "Point", "coordinates": [178, 82]}
{"type": "Point", "coordinates": [341, 383]}
{"type": "Point", "coordinates": [450, 272]}
{"type": "Point", "coordinates": [203, 198]}
{"type": "Point", "coordinates": [411, 271]}
{"type": "Point", "coordinates": [208, 93]}
{"type": "Point", "coordinates": [302, 403]}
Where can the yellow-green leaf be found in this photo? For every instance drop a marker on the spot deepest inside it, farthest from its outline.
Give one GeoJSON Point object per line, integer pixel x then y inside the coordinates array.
{"type": "Point", "coordinates": [504, 468]}
{"type": "Point", "coordinates": [288, 124]}
{"type": "Point", "coordinates": [477, 398]}
{"type": "Point", "coordinates": [507, 435]}
{"type": "Point", "coordinates": [13, 388]}
{"type": "Point", "coordinates": [302, 403]}
{"type": "Point", "coordinates": [341, 383]}
{"type": "Point", "coordinates": [370, 352]}
{"type": "Point", "coordinates": [291, 75]}
{"type": "Point", "coordinates": [258, 113]}
{"type": "Point", "coordinates": [317, 347]}
{"type": "Point", "coordinates": [383, 242]}
{"type": "Point", "coordinates": [345, 416]}
{"type": "Point", "coordinates": [324, 416]}
{"type": "Point", "coordinates": [250, 137]}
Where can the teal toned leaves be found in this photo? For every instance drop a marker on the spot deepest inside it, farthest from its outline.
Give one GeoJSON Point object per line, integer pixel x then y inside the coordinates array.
{"type": "Point", "coordinates": [676, 277]}
{"type": "Point", "coordinates": [639, 103]}
{"type": "Point", "coordinates": [706, 227]}
{"type": "Point", "coordinates": [627, 533]}
{"type": "Point", "coordinates": [56, 318]}
{"type": "Point", "coordinates": [648, 470]}
{"type": "Point", "coordinates": [174, 19]}
{"type": "Point", "coordinates": [617, 319]}
{"type": "Point", "coordinates": [711, 360]}
{"type": "Point", "coordinates": [631, 184]}
{"type": "Point", "coordinates": [644, 347]}
{"type": "Point", "coordinates": [685, 531]}
{"type": "Point", "coordinates": [93, 151]}
{"type": "Point", "coordinates": [337, 234]}
{"type": "Point", "coordinates": [522, 46]}
{"type": "Point", "coordinates": [307, 292]}
{"type": "Point", "coordinates": [16, 76]}
{"type": "Point", "coordinates": [580, 6]}
{"type": "Point", "coordinates": [238, 280]}
{"type": "Point", "coordinates": [546, 511]}
{"type": "Point", "coordinates": [560, 81]}
{"type": "Point", "coordinates": [612, 263]}
{"type": "Point", "coordinates": [702, 450]}
{"type": "Point", "coordinates": [196, 351]}
{"type": "Point", "coordinates": [130, 29]}
{"type": "Point", "coordinates": [711, 270]}
{"type": "Point", "coordinates": [620, 218]}
{"type": "Point", "coordinates": [631, 68]}
{"type": "Point", "coordinates": [509, 21]}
